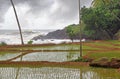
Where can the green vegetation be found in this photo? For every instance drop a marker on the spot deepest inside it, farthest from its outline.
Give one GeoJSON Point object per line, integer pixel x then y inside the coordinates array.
{"type": "Point", "coordinates": [72, 31]}
{"type": "Point", "coordinates": [3, 43]}
{"type": "Point", "coordinates": [97, 3]}
{"type": "Point", "coordinates": [99, 22]}
{"type": "Point", "coordinates": [109, 54]}
{"type": "Point", "coordinates": [30, 42]}
{"type": "Point", "coordinates": [102, 21]}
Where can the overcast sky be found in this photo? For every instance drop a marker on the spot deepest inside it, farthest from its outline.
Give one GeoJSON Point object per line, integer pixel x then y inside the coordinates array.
{"type": "Point", "coordinates": [40, 14]}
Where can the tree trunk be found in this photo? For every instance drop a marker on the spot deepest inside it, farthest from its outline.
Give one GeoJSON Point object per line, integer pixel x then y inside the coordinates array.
{"type": "Point", "coordinates": [80, 28]}
{"type": "Point", "coordinates": [110, 33]}
{"type": "Point", "coordinates": [17, 22]}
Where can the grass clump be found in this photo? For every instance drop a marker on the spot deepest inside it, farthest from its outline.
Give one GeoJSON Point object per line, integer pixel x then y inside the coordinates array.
{"type": "Point", "coordinates": [30, 42]}
{"type": "Point", "coordinates": [108, 54]}
{"type": "Point", "coordinates": [81, 59]}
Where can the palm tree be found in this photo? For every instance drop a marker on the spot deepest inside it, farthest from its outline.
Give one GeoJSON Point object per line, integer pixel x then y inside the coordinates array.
{"type": "Point", "coordinates": [17, 22]}
{"type": "Point", "coordinates": [79, 3]}
{"type": "Point", "coordinates": [17, 73]}
{"type": "Point", "coordinates": [96, 3]}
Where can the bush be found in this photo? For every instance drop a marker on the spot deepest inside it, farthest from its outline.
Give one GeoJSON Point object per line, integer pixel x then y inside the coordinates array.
{"type": "Point", "coordinates": [30, 42]}
{"type": "Point", "coordinates": [3, 43]}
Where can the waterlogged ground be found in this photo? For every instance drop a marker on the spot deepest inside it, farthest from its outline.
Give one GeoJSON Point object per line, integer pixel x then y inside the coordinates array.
{"type": "Point", "coordinates": [7, 55]}
{"type": "Point", "coordinates": [58, 73]}
{"type": "Point", "coordinates": [92, 49]}
{"type": "Point", "coordinates": [42, 56]}
{"type": "Point", "coordinates": [51, 56]}
{"type": "Point", "coordinates": [95, 50]}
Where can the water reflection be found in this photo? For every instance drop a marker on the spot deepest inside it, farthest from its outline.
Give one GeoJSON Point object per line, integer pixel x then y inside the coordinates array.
{"type": "Point", "coordinates": [18, 69]}
{"type": "Point", "coordinates": [58, 73]}
{"type": "Point", "coordinates": [50, 56]}
{"type": "Point", "coordinates": [59, 47]}
{"type": "Point", "coordinates": [40, 56]}
{"type": "Point", "coordinates": [5, 56]}
{"type": "Point", "coordinates": [72, 55]}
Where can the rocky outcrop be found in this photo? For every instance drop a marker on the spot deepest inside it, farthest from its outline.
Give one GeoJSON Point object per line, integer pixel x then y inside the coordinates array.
{"type": "Point", "coordinates": [58, 34]}
{"type": "Point", "coordinates": [105, 62]}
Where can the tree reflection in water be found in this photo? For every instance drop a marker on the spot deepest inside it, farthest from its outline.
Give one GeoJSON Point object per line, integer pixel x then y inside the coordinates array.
{"type": "Point", "coordinates": [18, 70]}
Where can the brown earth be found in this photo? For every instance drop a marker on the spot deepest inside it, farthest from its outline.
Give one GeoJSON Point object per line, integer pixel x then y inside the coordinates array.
{"type": "Point", "coordinates": [43, 63]}
{"type": "Point", "coordinates": [105, 62]}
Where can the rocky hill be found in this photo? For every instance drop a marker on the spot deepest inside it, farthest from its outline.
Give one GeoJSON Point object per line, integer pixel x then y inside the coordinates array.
{"type": "Point", "coordinates": [58, 34]}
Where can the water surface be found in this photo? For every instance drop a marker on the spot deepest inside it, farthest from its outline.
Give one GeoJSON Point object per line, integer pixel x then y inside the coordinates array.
{"type": "Point", "coordinates": [42, 56]}
{"type": "Point", "coordinates": [59, 73]}
{"type": "Point", "coordinates": [51, 56]}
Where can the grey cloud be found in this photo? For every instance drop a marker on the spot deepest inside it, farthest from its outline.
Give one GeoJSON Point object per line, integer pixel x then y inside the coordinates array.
{"type": "Point", "coordinates": [4, 5]}
{"type": "Point", "coordinates": [43, 6]}
{"type": "Point", "coordinates": [39, 6]}
{"type": "Point", "coordinates": [36, 6]}
{"type": "Point", "coordinates": [72, 9]}
{"type": "Point", "coordinates": [67, 9]}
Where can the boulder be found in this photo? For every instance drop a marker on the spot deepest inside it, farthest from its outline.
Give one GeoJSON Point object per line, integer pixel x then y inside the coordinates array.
{"type": "Point", "coordinates": [102, 62]}
{"type": "Point", "coordinates": [105, 62]}
{"type": "Point", "coordinates": [115, 63]}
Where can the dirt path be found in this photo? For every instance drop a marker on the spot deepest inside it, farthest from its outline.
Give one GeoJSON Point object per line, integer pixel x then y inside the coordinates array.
{"type": "Point", "coordinates": [43, 63]}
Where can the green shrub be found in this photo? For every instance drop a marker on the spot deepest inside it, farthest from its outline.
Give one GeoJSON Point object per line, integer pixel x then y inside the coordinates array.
{"type": "Point", "coordinates": [30, 42]}
{"type": "Point", "coordinates": [3, 43]}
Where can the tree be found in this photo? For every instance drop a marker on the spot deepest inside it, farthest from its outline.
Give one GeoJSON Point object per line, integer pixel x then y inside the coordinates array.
{"type": "Point", "coordinates": [100, 21]}
{"type": "Point", "coordinates": [97, 3]}
{"type": "Point", "coordinates": [72, 31]}
{"type": "Point", "coordinates": [17, 22]}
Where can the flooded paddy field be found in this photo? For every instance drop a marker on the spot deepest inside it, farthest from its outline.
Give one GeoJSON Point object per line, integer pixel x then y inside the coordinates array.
{"type": "Point", "coordinates": [54, 72]}
{"type": "Point", "coordinates": [41, 56]}
{"type": "Point", "coordinates": [57, 73]}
